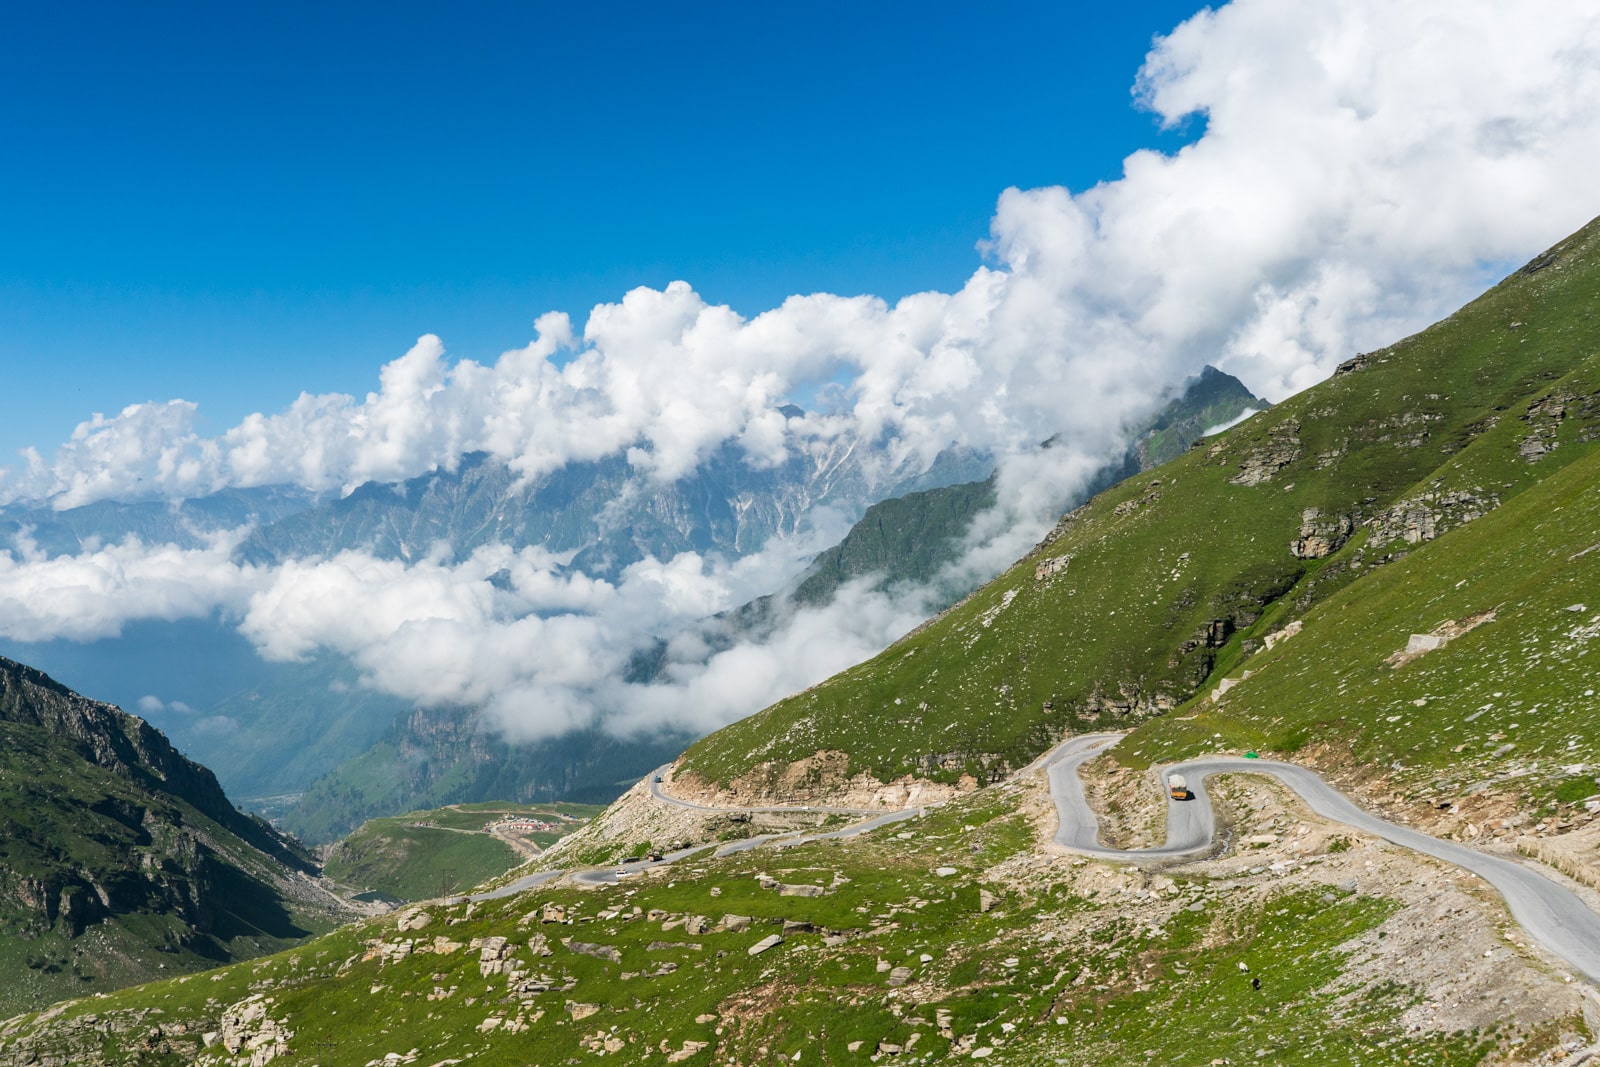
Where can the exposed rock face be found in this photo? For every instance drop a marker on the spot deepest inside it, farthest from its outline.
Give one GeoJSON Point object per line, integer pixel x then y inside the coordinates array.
{"type": "Point", "coordinates": [1353, 365]}
{"type": "Point", "coordinates": [1130, 699]}
{"type": "Point", "coordinates": [1544, 417]}
{"type": "Point", "coordinates": [1427, 515]}
{"type": "Point", "coordinates": [1281, 448]}
{"type": "Point", "coordinates": [1320, 537]}
{"type": "Point", "coordinates": [599, 952]}
{"type": "Point", "coordinates": [128, 746]}
{"type": "Point", "coordinates": [249, 1031]}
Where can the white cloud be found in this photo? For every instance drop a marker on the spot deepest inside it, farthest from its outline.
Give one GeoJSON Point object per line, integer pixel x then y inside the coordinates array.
{"type": "Point", "coordinates": [1363, 165]}
{"type": "Point", "coordinates": [1364, 168]}
{"type": "Point", "coordinates": [150, 704]}
{"type": "Point", "coordinates": [93, 594]}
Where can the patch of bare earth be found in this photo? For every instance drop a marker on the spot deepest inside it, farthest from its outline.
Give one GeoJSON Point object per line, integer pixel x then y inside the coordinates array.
{"type": "Point", "coordinates": [637, 818]}
{"type": "Point", "coordinates": [1131, 804]}
{"type": "Point", "coordinates": [822, 779]}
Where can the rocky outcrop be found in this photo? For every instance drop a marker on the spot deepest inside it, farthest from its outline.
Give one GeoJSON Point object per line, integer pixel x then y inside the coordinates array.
{"type": "Point", "coordinates": [1427, 515]}
{"type": "Point", "coordinates": [1128, 700]}
{"type": "Point", "coordinates": [1262, 463]}
{"type": "Point", "coordinates": [1544, 417]}
{"type": "Point", "coordinates": [1320, 536]}
{"type": "Point", "coordinates": [128, 746]}
{"type": "Point", "coordinates": [249, 1031]}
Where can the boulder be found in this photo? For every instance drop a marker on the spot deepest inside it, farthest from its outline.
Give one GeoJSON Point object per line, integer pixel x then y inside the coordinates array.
{"type": "Point", "coordinates": [770, 941]}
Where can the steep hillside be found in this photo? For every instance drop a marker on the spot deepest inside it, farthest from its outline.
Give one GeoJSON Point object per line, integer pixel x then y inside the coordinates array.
{"type": "Point", "coordinates": [912, 537]}
{"type": "Point", "coordinates": [121, 859]}
{"type": "Point", "coordinates": [1135, 602]}
{"type": "Point", "coordinates": [1457, 672]}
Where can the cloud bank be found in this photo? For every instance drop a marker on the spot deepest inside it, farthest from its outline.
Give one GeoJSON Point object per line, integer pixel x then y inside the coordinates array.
{"type": "Point", "coordinates": [1363, 169]}
{"type": "Point", "coordinates": [1362, 165]}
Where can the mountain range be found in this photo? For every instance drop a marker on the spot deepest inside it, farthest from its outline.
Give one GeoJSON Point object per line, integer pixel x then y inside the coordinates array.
{"type": "Point", "coordinates": [1392, 577]}
{"type": "Point", "coordinates": [275, 731]}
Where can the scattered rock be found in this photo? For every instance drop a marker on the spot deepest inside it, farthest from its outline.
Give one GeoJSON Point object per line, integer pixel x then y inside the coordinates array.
{"type": "Point", "coordinates": [770, 941]}
{"type": "Point", "coordinates": [415, 919]}
{"type": "Point", "coordinates": [599, 952]}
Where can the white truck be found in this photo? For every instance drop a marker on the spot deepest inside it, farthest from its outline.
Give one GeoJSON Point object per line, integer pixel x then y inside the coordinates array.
{"type": "Point", "coordinates": [1177, 787]}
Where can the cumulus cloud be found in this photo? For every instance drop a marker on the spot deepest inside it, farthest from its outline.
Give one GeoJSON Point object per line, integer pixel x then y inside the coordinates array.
{"type": "Point", "coordinates": [92, 595]}
{"type": "Point", "coordinates": [1364, 167]}
{"type": "Point", "coordinates": [541, 649]}
{"type": "Point", "coordinates": [150, 704]}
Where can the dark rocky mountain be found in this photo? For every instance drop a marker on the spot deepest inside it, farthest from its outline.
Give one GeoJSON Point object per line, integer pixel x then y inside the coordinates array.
{"type": "Point", "coordinates": [122, 860]}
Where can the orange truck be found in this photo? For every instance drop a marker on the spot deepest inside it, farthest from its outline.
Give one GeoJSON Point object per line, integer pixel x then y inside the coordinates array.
{"type": "Point", "coordinates": [1177, 787]}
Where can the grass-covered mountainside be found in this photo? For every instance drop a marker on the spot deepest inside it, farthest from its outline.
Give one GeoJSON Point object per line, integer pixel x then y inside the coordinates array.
{"type": "Point", "coordinates": [425, 854]}
{"type": "Point", "coordinates": [1143, 599]}
{"type": "Point", "coordinates": [913, 537]}
{"type": "Point", "coordinates": [952, 940]}
{"type": "Point", "coordinates": [120, 859]}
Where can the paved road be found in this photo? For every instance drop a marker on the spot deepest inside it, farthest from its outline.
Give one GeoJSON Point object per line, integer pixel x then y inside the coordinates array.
{"type": "Point", "coordinates": [511, 889]}
{"type": "Point", "coordinates": [1549, 913]}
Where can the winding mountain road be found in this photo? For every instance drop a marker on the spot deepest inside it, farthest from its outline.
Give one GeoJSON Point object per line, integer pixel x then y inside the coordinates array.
{"type": "Point", "coordinates": [1550, 914]}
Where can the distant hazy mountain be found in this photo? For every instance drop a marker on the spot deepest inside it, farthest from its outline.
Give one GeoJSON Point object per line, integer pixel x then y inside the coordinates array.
{"type": "Point", "coordinates": [184, 523]}
{"type": "Point", "coordinates": [605, 512]}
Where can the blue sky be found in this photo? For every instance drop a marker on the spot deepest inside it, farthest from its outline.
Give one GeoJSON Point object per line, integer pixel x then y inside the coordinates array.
{"type": "Point", "coordinates": [232, 203]}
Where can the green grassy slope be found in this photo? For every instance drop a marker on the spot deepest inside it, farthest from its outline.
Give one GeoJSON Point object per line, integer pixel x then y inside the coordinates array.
{"type": "Point", "coordinates": [1165, 581]}
{"type": "Point", "coordinates": [1512, 700]}
{"type": "Point", "coordinates": [401, 859]}
{"type": "Point", "coordinates": [431, 853]}
{"type": "Point", "coordinates": [111, 872]}
{"type": "Point", "coordinates": [1010, 980]}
